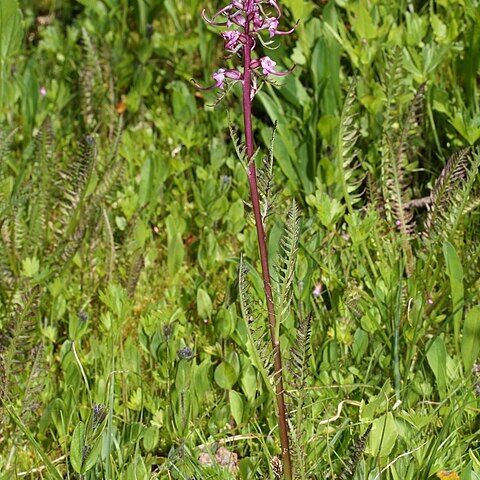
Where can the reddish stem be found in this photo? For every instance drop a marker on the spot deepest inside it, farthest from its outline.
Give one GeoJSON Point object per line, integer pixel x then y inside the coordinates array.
{"type": "Point", "coordinates": [262, 244]}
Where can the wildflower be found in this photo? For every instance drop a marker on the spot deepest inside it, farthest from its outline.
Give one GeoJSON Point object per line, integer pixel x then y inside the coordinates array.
{"type": "Point", "coordinates": [185, 353]}
{"type": "Point", "coordinates": [99, 414]}
{"type": "Point", "coordinates": [245, 21]}
{"type": "Point", "coordinates": [43, 92]}
{"type": "Point", "coordinates": [317, 291]}
{"type": "Point", "coordinates": [222, 74]}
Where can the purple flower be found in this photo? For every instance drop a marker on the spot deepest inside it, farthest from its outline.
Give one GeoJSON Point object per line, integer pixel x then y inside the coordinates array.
{"type": "Point", "coordinates": [268, 65]}
{"type": "Point", "coordinates": [317, 291]}
{"type": "Point", "coordinates": [246, 21]}
{"type": "Point", "coordinates": [220, 76]}
{"type": "Point", "coordinates": [271, 24]}
{"type": "Point", "coordinates": [232, 39]}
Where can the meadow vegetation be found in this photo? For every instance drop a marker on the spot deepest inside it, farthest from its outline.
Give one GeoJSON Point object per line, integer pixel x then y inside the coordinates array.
{"type": "Point", "coordinates": [134, 339]}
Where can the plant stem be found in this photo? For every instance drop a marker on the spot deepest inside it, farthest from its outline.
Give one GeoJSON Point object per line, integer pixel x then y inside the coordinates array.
{"type": "Point", "coordinates": [262, 244]}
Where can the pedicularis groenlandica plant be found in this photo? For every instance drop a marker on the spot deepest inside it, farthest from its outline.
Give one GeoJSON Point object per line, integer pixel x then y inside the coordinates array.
{"type": "Point", "coordinates": [249, 22]}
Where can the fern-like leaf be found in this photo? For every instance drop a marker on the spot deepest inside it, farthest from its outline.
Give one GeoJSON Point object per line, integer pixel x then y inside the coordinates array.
{"type": "Point", "coordinates": [347, 152]}
{"type": "Point", "coordinates": [358, 449]}
{"type": "Point", "coordinates": [265, 182]}
{"type": "Point", "coordinates": [455, 199]}
{"type": "Point", "coordinates": [285, 264]}
{"type": "Point", "coordinates": [254, 315]}
{"type": "Point", "coordinates": [449, 181]}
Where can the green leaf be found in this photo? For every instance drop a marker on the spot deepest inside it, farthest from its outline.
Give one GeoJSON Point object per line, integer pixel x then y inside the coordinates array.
{"type": "Point", "coordinates": [176, 252]}
{"type": "Point", "coordinates": [150, 438]}
{"type": "Point", "coordinates": [236, 406]}
{"type": "Point", "coordinates": [76, 447]}
{"type": "Point", "coordinates": [11, 31]}
{"type": "Point", "coordinates": [455, 273]}
{"type": "Point", "coordinates": [248, 381]}
{"type": "Point", "coordinates": [184, 374]}
{"type": "Point", "coordinates": [225, 376]}
{"type": "Point", "coordinates": [437, 359]}
{"type": "Point", "coordinates": [204, 304]}
{"type": "Point", "coordinates": [471, 338]}
{"type": "Point", "coordinates": [383, 436]}
{"type": "Point", "coordinates": [93, 456]}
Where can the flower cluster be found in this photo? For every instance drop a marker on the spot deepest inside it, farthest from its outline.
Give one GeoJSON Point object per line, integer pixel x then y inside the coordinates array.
{"type": "Point", "coordinates": [245, 21]}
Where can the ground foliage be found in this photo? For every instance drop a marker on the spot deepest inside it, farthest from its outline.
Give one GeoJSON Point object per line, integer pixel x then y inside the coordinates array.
{"type": "Point", "coordinates": [127, 240]}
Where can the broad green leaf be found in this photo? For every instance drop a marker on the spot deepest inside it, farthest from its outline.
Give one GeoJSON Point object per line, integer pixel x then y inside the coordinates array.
{"type": "Point", "coordinates": [455, 273]}
{"type": "Point", "coordinates": [204, 304]}
{"type": "Point", "coordinates": [184, 375]}
{"type": "Point", "coordinates": [176, 252]}
{"type": "Point", "coordinates": [150, 438]}
{"type": "Point", "coordinates": [225, 375]}
{"type": "Point", "coordinates": [236, 406]}
{"type": "Point", "coordinates": [248, 381]}
{"type": "Point", "coordinates": [471, 338]}
{"type": "Point", "coordinates": [77, 446]}
{"type": "Point", "coordinates": [93, 455]}
{"type": "Point", "coordinates": [377, 404]}
{"type": "Point", "coordinates": [383, 436]}
{"type": "Point", "coordinates": [11, 31]}
{"type": "Point", "coordinates": [437, 359]}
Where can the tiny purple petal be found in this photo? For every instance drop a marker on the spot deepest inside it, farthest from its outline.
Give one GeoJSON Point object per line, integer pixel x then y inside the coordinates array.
{"type": "Point", "coordinates": [398, 223]}
{"type": "Point", "coordinates": [231, 38]}
{"type": "Point", "coordinates": [317, 291]}
{"type": "Point", "coordinates": [268, 65]}
{"type": "Point", "coordinates": [43, 92]}
{"type": "Point", "coordinates": [272, 24]}
{"type": "Point", "coordinates": [236, 19]}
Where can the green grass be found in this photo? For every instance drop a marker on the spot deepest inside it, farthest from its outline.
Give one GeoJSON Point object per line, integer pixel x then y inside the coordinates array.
{"type": "Point", "coordinates": [124, 214]}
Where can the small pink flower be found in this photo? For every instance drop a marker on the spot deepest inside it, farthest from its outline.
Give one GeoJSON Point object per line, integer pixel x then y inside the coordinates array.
{"type": "Point", "coordinates": [268, 65]}
{"type": "Point", "coordinates": [231, 38]}
{"type": "Point", "coordinates": [271, 23]}
{"type": "Point", "coordinates": [317, 291]}
{"type": "Point", "coordinates": [43, 92]}
{"type": "Point", "coordinates": [430, 301]}
{"type": "Point", "coordinates": [222, 74]}
{"type": "Point", "coordinates": [398, 223]}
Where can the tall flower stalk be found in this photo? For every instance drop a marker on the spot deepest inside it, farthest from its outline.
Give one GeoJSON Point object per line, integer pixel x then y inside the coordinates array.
{"type": "Point", "coordinates": [247, 22]}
